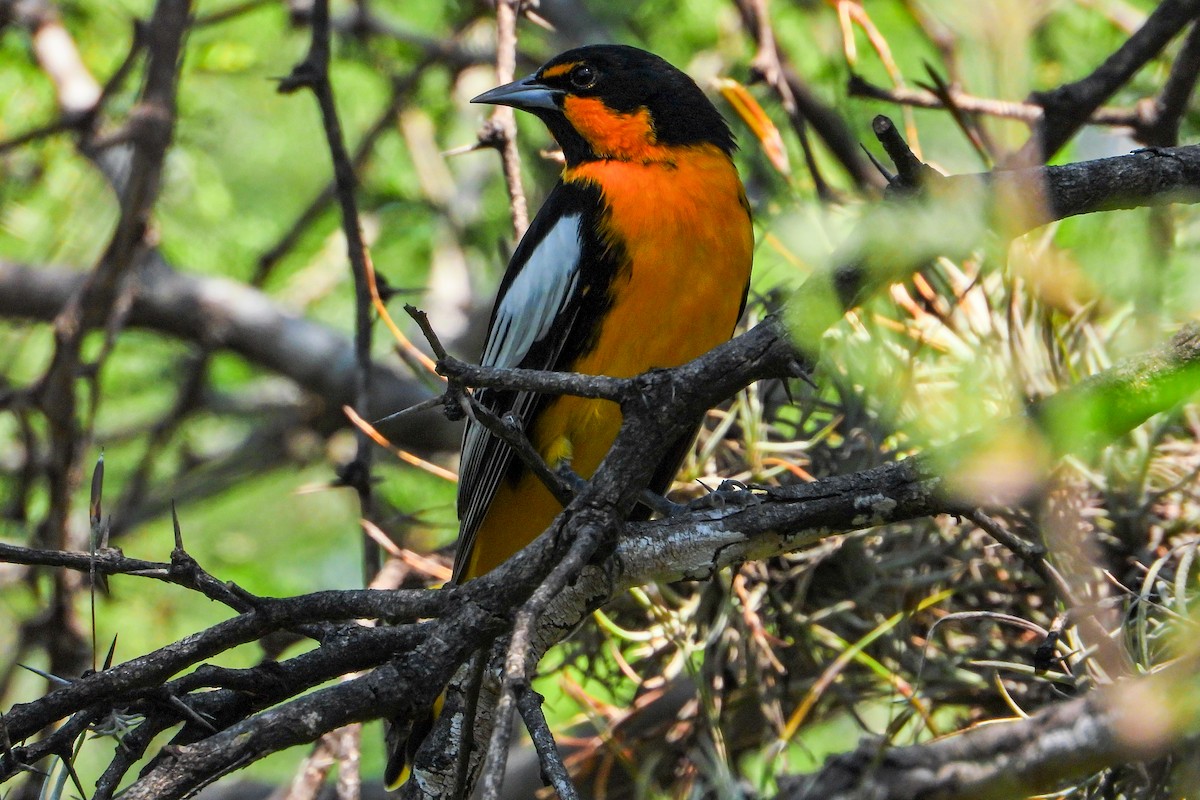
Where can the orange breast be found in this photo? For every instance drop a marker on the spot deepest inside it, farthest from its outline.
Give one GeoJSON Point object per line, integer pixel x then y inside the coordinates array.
{"type": "Point", "coordinates": [685, 227]}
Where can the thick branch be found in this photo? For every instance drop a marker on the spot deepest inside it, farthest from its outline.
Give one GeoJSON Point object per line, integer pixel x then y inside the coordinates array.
{"type": "Point", "coordinates": [221, 313]}
{"type": "Point", "coordinates": [1068, 107]}
{"type": "Point", "coordinates": [1018, 758]}
{"type": "Point", "coordinates": [186, 769]}
{"type": "Point", "coordinates": [747, 527]}
{"type": "Point", "coordinates": [773, 522]}
{"type": "Point", "coordinates": [133, 678]}
{"type": "Point", "coordinates": [894, 240]}
{"type": "Point", "coordinates": [995, 762]}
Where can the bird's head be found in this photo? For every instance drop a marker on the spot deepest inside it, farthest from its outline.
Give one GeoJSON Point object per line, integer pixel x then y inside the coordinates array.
{"type": "Point", "coordinates": [616, 102]}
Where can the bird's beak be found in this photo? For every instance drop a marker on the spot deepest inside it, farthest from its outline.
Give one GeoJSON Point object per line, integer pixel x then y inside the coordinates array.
{"type": "Point", "coordinates": [527, 94]}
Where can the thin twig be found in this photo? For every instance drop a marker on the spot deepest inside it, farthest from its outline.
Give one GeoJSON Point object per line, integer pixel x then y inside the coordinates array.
{"type": "Point", "coordinates": [313, 73]}
{"type": "Point", "coordinates": [976, 134]}
{"type": "Point", "coordinates": [402, 89]}
{"type": "Point", "coordinates": [576, 384]}
{"type": "Point", "coordinates": [1029, 113]}
{"type": "Point", "coordinates": [517, 658]}
{"type": "Point", "coordinates": [1034, 557]}
{"type": "Point", "coordinates": [422, 320]}
{"type": "Point", "coordinates": [1068, 107]}
{"type": "Point", "coordinates": [768, 66]}
{"type": "Point", "coordinates": [511, 431]}
{"type": "Point", "coordinates": [529, 704]}
{"type": "Point", "coordinates": [501, 129]}
{"type": "Point", "coordinates": [809, 109]}
{"type": "Point", "coordinates": [1162, 127]}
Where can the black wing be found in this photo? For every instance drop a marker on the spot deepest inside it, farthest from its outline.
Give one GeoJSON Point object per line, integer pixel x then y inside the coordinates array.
{"type": "Point", "coordinates": [533, 326]}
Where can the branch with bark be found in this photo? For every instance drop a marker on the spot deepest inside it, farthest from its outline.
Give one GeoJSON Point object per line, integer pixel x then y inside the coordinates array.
{"type": "Point", "coordinates": [505, 621]}
{"type": "Point", "coordinates": [411, 661]}
{"type": "Point", "coordinates": [1014, 758]}
{"type": "Point", "coordinates": [222, 314]}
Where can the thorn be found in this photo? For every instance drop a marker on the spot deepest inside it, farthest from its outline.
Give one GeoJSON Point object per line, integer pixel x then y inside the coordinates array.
{"type": "Point", "coordinates": [939, 81]}
{"type": "Point", "coordinates": [728, 493]}
{"type": "Point", "coordinates": [74, 777]}
{"type": "Point", "coordinates": [112, 649]}
{"type": "Point", "coordinates": [424, 405]}
{"type": "Point", "coordinates": [192, 714]}
{"type": "Point", "coordinates": [462, 150]}
{"type": "Point", "coordinates": [94, 507]}
{"type": "Point", "coordinates": [387, 291]}
{"type": "Point", "coordinates": [175, 523]}
{"type": "Point", "coordinates": [887, 176]}
{"type": "Point", "coordinates": [47, 675]}
{"type": "Point", "coordinates": [798, 369]}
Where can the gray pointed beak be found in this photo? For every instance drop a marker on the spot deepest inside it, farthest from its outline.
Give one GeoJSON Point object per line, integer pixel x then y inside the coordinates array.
{"type": "Point", "coordinates": [527, 93]}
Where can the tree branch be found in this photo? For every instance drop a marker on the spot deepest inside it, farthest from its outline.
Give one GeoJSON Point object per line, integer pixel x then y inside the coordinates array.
{"type": "Point", "coordinates": [1068, 107]}
{"type": "Point", "coordinates": [1030, 113]}
{"type": "Point", "coordinates": [1016, 758]}
{"type": "Point", "coordinates": [313, 73]}
{"type": "Point", "coordinates": [224, 314]}
{"type": "Point", "coordinates": [801, 104]}
{"type": "Point", "coordinates": [688, 546]}
{"type": "Point", "coordinates": [653, 417]}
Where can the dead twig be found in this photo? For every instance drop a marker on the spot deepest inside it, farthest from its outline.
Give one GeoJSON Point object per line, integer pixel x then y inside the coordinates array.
{"type": "Point", "coordinates": [807, 109]}
{"type": "Point", "coordinates": [500, 132]}
{"type": "Point", "coordinates": [313, 73]}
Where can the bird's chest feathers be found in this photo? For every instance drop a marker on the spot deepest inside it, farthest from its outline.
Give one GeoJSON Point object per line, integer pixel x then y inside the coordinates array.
{"type": "Point", "coordinates": [684, 230]}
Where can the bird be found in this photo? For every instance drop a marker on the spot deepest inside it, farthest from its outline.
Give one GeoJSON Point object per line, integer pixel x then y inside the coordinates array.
{"type": "Point", "coordinates": [639, 258]}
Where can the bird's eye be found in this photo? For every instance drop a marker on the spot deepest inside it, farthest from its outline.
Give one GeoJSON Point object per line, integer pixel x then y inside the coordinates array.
{"type": "Point", "coordinates": [583, 77]}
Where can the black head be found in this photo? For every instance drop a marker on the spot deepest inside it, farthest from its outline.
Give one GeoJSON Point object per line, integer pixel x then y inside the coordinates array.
{"type": "Point", "coordinates": [613, 101]}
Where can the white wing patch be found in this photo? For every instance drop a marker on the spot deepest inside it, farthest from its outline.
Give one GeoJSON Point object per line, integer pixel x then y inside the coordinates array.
{"type": "Point", "coordinates": [536, 295]}
{"type": "Point", "coordinates": [535, 299]}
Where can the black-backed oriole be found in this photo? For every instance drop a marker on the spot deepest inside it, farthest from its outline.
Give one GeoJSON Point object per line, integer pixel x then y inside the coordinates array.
{"type": "Point", "coordinates": [639, 258]}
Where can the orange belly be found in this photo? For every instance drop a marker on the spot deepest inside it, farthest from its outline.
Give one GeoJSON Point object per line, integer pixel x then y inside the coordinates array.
{"type": "Point", "coordinates": [685, 227]}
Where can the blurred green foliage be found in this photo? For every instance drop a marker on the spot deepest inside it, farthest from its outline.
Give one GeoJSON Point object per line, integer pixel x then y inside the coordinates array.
{"type": "Point", "coordinates": [247, 160]}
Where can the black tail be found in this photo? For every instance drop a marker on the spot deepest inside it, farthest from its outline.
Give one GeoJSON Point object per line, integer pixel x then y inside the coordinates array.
{"type": "Point", "coordinates": [403, 740]}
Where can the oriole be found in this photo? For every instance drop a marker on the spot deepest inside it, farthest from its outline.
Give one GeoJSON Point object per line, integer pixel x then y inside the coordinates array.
{"type": "Point", "coordinates": [639, 258]}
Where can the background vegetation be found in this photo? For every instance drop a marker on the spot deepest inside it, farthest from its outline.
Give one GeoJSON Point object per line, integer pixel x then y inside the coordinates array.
{"type": "Point", "coordinates": [905, 632]}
